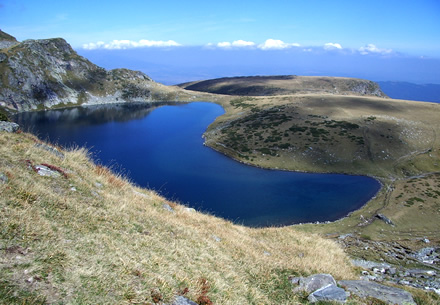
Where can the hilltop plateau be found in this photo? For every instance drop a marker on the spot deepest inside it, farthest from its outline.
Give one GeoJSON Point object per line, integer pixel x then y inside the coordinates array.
{"type": "Point", "coordinates": [285, 85]}
{"type": "Point", "coordinates": [74, 232]}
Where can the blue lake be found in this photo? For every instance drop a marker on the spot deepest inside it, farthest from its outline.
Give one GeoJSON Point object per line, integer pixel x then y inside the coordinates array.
{"type": "Point", "coordinates": [162, 148]}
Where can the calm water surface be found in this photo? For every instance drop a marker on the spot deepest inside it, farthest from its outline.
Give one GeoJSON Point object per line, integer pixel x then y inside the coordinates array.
{"type": "Point", "coordinates": [162, 148]}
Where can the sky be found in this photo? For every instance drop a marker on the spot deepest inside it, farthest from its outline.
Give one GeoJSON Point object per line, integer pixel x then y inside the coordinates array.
{"type": "Point", "coordinates": [175, 41]}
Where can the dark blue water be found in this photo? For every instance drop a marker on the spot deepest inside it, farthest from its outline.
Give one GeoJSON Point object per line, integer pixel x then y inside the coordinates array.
{"type": "Point", "coordinates": [162, 148]}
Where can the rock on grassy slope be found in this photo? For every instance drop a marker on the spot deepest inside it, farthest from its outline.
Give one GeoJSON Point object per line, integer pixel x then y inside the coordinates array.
{"type": "Point", "coordinates": [85, 236]}
{"type": "Point", "coordinates": [40, 74]}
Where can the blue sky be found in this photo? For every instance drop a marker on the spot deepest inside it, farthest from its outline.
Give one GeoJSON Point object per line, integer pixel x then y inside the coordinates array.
{"type": "Point", "coordinates": [214, 34]}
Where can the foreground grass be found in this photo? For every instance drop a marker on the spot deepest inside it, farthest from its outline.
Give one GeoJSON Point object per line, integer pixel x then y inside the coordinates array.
{"type": "Point", "coordinates": [94, 238]}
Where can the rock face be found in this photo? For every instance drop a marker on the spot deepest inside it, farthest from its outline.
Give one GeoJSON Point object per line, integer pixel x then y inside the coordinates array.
{"type": "Point", "coordinates": [389, 295]}
{"type": "Point", "coordinates": [8, 126]}
{"type": "Point", "coordinates": [6, 40]}
{"type": "Point", "coordinates": [39, 74]}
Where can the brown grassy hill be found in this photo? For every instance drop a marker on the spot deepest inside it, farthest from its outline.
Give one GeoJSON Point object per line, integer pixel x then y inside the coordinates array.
{"type": "Point", "coordinates": [285, 85]}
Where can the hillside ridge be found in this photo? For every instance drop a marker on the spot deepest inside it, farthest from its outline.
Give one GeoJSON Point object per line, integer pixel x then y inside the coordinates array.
{"type": "Point", "coordinates": [47, 73]}
{"type": "Point", "coordinates": [286, 85]}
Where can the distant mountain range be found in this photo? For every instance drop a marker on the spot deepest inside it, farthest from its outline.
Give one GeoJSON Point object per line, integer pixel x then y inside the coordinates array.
{"type": "Point", "coordinates": [410, 91]}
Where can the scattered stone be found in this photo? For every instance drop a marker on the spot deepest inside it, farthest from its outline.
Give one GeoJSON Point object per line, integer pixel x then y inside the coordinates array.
{"type": "Point", "coordinates": [50, 149]}
{"type": "Point", "coordinates": [390, 295]}
{"type": "Point", "coordinates": [313, 282]}
{"type": "Point", "coordinates": [216, 238]}
{"type": "Point", "coordinates": [180, 300]}
{"type": "Point", "coordinates": [426, 241]}
{"type": "Point", "coordinates": [43, 170]}
{"type": "Point", "coordinates": [190, 210]}
{"type": "Point", "coordinates": [73, 189]}
{"type": "Point", "coordinates": [98, 185]}
{"type": "Point", "coordinates": [385, 219]}
{"type": "Point", "coordinates": [428, 255]}
{"type": "Point", "coordinates": [330, 293]}
{"type": "Point", "coordinates": [167, 207]}
{"type": "Point", "coordinates": [344, 236]}
{"type": "Point", "coordinates": [9, 126]}
{"type": "Point", "coordinates": [141, 194]}
{"type": "Point", "coordinates": [267, 253]}
{"type": "Point", "coordinates": [368, 264]}
{"type": "Point", "coordinates": [417, 278]}
{"type": "Point", "coordinates": [3, 178]}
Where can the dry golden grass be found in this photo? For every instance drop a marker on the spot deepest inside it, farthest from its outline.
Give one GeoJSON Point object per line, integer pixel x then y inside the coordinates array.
{"type": "Point", "coordinates": [95, 238]}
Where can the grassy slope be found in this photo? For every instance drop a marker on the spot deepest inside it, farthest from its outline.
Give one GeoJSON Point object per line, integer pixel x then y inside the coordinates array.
{"type": "Point", "coordinates": [393, 140]}
{"type": "Point", "coordinates": [94, 238]}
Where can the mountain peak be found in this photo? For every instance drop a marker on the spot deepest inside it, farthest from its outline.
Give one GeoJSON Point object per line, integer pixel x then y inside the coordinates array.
{"type": "Point", "coordinates": [6, 40]}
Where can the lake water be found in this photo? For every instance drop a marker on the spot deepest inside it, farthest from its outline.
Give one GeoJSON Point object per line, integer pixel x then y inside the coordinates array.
{"type": "Point", "coordinates": [162, 148]}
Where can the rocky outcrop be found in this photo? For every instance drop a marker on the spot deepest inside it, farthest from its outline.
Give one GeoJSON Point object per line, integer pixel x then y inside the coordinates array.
{"type": "Point", "coordinates": [387, 294]}
{"type": "Point", "coordinates": [8, 126]}
{"type": "Point", "coordinates": [323, 287]}
{"type": "Point", "coordinates": [6, 40]}
{"type": "Point", "coordinates": [426, 279]}
{"type": "Point", "coordinates": [40, 74]}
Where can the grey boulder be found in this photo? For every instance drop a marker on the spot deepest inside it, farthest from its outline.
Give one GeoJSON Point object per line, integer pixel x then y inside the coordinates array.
{"type": "Point", "coordinates": [389, 295]}
{"type": "Point", "coordinates": [313, 282]}
{"type": "Point", "coordinates": [329, 293]}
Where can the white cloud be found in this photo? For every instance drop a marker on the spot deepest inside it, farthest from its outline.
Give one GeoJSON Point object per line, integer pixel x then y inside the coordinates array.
{"type": "Point", "coordinates": [243, 43]}
{"type": "Point", "coordinates": [129, 44]}
{"type": "Point", "coordinates": [275, 44]}
{"type": "Point", "coordinates": [371, 48]}
{"type": "Point", "coordinates": [224, 44]}
{"type": "Point", "coordinates": [332, 46]}
{"type": "Point", "coordinates": [236, 44]}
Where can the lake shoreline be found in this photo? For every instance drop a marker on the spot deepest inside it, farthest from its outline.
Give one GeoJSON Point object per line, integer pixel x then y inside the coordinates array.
{"type": "Point", "coordinates": [115, 129]}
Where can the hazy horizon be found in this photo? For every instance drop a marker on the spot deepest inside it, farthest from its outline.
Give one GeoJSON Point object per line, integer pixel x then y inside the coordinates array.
{"type": "Point", "coordinates": [174, 41]}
